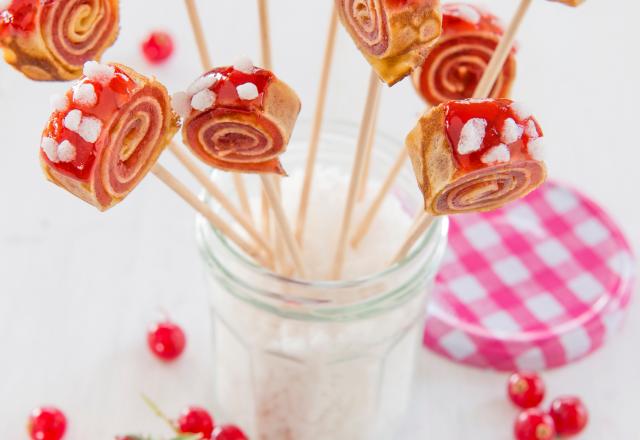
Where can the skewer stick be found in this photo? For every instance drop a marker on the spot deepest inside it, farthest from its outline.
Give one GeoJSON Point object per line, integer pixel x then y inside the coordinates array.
{"type": "Point", "coordinates": [367, 221]}
{"type": "Point", "coordinates": [418, 229]}
{"type": "Point", "coordinates": [198, 33]}
{"type": "Point", "coordinates": [356, 176]}
{"type": "Point", "coordinates": [214, 191]}
{"type": "Point", "coordinates": [482, 91]}
{"type": "Point", "coordinates": [282, 223]}
{"type": "Point", "coordinates": [179, 188]}
{"type": "Point", "coordinates": [265, 34]}
{"type": "Point", "coordinates": [501, 53]}
{"type": "Point", "coordinates": [207, 65]}
{"type": "Point", "coordinates": [316, 128]}
{"type": "Point", "coordinates": [362, 192]}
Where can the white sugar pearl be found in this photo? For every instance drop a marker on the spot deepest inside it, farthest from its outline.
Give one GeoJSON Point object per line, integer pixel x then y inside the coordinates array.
{"type": "Point", "coordinates": [85, 94]}
{"type": "Point", "coordinates": [66, 151]}
{"type": "Point", "coordinates": [181, 104]}
{"type": "Point", "coordinates": [498, 154]}
{"type": "Point", "coordinates": [59, 103]}
{"type": "Point", "coordinates": [532, 130]}
{"type": "Point", "coordinates": [536, 148]}
{"type": "Point", "coordinates": [72, 120]}
{"type": "Point", "coordinates": [520, 110]}
{"type": "Point", "coordinates": [203, 100]}
{"type": "Point", "coordinates": [102, 73]}
{"type": "Point", "coordinates": [243, 64]}
{"type": "Point", "coordinates": [90, 129]}
{"type": "Point", "coordinates": [204, 82]}
{"type": "Point", "coordinates": [472, 135]}
{"type": "Point", "coordinates": [511, 131]}
{"type": "Point", "coordinates": [247, 91]}
{"type": "Point", "coordinates": [50, 148]}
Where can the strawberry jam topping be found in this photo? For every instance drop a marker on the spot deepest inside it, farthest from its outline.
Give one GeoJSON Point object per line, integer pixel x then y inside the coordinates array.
{"type": "Point", "coordinates": [110, 98]}
{"type": "Point", "coordinates": [20, 16]}
{"type": "Point", "coordinates": [229, 78]}
{"type": "Point", "coordinates": [496, 114]}
{"type": "Point", "coordinates": [459, 18]}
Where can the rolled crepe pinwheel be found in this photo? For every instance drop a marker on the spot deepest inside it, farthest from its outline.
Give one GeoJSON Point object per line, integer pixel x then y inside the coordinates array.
{"type": "Point", "coordinates": [476, 155]}
{"type": "Point", "coordinates": [238, 118]}
{"type": "Point", "coordinates": [106, 133]}
{"type": "Point", "coordinates": [455, 64]}
{"type": "Point", "coordinates": [393, 35]}
{"type": "Point", "coordinates": [50, 40]}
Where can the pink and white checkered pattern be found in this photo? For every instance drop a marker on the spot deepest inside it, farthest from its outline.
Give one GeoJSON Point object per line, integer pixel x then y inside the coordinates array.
{"type": "Point", "coordinates": [538, 284]}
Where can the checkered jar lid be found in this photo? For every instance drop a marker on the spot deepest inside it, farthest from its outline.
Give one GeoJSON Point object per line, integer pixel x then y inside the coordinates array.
{"type": "Point", "coordinates": [538, 284]}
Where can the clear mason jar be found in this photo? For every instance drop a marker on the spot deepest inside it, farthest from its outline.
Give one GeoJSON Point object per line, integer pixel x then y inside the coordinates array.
{"type": "Point", "coordinates": [298, 360]}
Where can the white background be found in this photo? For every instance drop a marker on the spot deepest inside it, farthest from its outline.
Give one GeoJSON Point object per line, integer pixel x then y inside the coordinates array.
{"type": "Point", "coordinates": [78, 288]}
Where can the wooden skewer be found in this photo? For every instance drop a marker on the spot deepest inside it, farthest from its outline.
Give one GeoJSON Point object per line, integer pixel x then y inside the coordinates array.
{"type": "Point", "coordinates": [316, 128]}
{"type": "Point", "coordinates": [179, 188]}
{"type": "Point", "coordinates": [198, 33]}
{"type": "Point", "coordinates": [241, 217]}
{"type": "Point", "coordinates": [362, 191]}
{"type": "Point", "coordinates": [207, 65]}
{"type": "Point", "coordinates": [283, 224]}
{"type": "Point", "coordinates": [367, 221]}
{"type": "Point", "coordinates": [356, 176]}
{"type": "Point", "coordinates": [482, 91]}
{"type": "Point", "coordinates": [501, 53]}
{"type": "Point", "coordinates": [418, 229]}
{"type": "Point", "coordinates": [265, 34]}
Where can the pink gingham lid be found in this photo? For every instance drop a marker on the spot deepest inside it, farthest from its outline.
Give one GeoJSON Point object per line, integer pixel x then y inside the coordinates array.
{"type": "Point", "coordinates": [538, 284]}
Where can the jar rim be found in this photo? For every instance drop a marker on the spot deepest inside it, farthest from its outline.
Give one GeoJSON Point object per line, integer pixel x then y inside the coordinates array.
{"type": "Point", "coordinates": [436, 235]}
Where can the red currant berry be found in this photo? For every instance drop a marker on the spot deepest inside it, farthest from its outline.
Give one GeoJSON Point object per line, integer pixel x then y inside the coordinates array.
{"type": "Point", "coordinates": [229, 432]}
{"type": "Point", "coordinates": [47, 424]}
{"type": "Point", "coordinates": [196, 420]}
{"type": "Point", "coordinates": [569, 414]}
{"type": "Point", "coordinates": [533, 424]}
{"type": "Point", "coordinates": [157, 47]}
{"type": "Point", "coordinates": [166, 340]}
{"type": "Point", "coordinates": [526, 390]}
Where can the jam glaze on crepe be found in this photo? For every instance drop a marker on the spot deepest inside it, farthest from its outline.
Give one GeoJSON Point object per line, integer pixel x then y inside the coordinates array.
{"type": "Point", "coordinates": [393, 35]}
{"type": "Point", "coordinates": [569, 2]}
{"type": "Point", "coordinates": [454, 66]}
{"type": "Point", "coordinates": [106, 133]}
{"type": "Point", "coordinates": [239, 118]}
{"type": "Point", "coordinates": [50, 40]}
{"type": "Point", "coordinates": [476, 155]}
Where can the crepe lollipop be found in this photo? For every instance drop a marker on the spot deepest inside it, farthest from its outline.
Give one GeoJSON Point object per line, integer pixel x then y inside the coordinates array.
{"type": "Point", "coordinates": [476, 155]}
{"type": "Point", "coordinates": [393, 35]}
{"type": "Point", "coordinates": [238, 118]}
{"type": "Point", "coordinates": [50, 40]}
{"type": "Point", "coordinates": [455, 64]}
{"type": "Point", "coordinates": [106, 133]}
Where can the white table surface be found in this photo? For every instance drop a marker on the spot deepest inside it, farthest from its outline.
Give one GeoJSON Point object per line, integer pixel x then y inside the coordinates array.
{"type": "Point", "coordinates": [78, 288]}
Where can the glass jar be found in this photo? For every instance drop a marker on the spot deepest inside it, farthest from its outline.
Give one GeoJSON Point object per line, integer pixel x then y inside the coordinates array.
{"type": "Point", "coordinates": [298, 360]}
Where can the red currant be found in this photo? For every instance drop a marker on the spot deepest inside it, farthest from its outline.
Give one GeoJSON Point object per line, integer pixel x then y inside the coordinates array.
{"type": "Point", "coordinates": [569, 414]}
{"type": "Point", "coordinates": [157, 47]}
{"type": "Point", "coordinates": [196, 420]}
{"type": "Point", "coordinates": [533, 424]}
{"type": "Point", "coordinates": [47, 424]}
{"type": "Point", "coordinates": [229, 432]}
{"type": "Point", "coordinates": [526, 390]}
{"type": "Point", "coordinates": [166, 340]}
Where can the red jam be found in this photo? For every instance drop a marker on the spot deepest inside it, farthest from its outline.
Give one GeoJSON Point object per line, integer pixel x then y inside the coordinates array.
{"type": "Point", "coordinates": [228, 78]}
{"type": "Point", "coordinates": [110, 99]}
{"type": "Point", "coordinates": [495, 112]}
{"type": "Point", "coordinates": [455, 21]}
{"type": "Point", "coordinates": [20, 16]}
